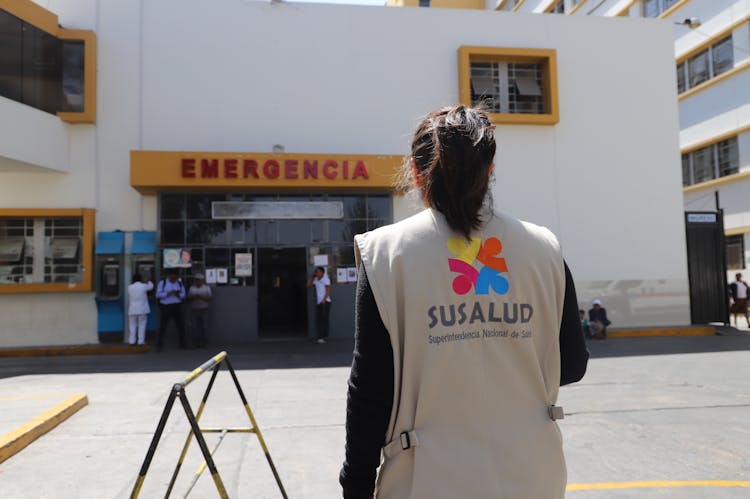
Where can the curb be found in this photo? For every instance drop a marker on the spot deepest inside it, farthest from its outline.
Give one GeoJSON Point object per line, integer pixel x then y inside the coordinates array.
{"type": "Point", "coordinates": [15, 440]}
{"type": "Point", "coordinates": [73, 350]}
{"type": "Point", "coordinates": [662, 331]}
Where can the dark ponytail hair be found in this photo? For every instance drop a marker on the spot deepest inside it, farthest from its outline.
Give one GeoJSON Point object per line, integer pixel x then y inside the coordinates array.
{"type": "Point", "coordinates": [451, 154]}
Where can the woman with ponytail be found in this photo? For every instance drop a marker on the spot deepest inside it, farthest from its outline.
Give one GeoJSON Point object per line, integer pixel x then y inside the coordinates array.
{"type": "Point", "coordinates": [466, 325]}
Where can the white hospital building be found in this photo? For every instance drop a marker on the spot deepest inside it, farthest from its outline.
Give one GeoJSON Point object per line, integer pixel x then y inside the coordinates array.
{"type": "Point", "coordinates": [250, 140]}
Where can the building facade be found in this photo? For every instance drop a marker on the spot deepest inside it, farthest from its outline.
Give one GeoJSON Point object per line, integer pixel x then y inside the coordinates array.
{"type": "Point", "coordinates": [251, 140]}
{"type": "Point", "coordinates": [712, 56]}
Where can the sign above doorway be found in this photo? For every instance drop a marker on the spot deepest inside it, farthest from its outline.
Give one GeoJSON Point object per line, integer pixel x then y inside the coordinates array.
{"type": "Point", "coordinates": [155, 171]}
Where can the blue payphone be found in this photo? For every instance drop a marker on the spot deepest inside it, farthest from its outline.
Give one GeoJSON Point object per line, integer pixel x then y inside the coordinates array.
{"type": "Point", "coordinates": [143, 262]}
{"type": "Point", "coordinates": [110, 299]}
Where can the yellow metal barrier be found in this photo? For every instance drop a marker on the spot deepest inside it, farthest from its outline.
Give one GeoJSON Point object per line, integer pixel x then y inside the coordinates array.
{"type": "Point", "coordinates": [178, 392]}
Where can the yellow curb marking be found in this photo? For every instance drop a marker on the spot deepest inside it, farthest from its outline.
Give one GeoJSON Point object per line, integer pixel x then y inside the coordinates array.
{"type": "Point", "coordinates": [657, 484]}
{"type": "Point", "coordinates": [641, 333]}
{"type": "Point", "coordinates": [13, 441]}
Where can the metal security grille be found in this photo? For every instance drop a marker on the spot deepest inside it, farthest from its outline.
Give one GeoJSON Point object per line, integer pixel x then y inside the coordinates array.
{"type": "Point", "coordinates": [62, 249]}
{"type": "Point", "coordinates": [507, 87]}
{"type": "Point", "coordinates": [706, 267]}
{"type": "Point", "coordinates": [35, 250]}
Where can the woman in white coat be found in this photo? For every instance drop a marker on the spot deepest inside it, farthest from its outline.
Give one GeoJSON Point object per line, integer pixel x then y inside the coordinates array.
{"type": "Point", "coordinates": [138, 309]}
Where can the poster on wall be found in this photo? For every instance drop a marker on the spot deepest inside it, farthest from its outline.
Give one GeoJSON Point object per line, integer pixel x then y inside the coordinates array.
{"type": "Point", "coordinates": [352, 274]}
{"type": "Point", "coordinates": [341, 275]}
{"type": "Point", "coordinates": [176, 258]}
{"type": "Point", "coordinates": [321, 260]}
{"type": "Point", "coordinates": [243, 264]}
{"type": "Point", "coordinates": [210, 276]}
{"type": "Point", "coordinates": [222, 276]}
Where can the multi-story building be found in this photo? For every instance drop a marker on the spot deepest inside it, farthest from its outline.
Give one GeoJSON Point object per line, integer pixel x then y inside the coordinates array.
{"type": "Point", "coordinates": [712, 58]}
{"type": "Point", "coordinates": [251, 140]}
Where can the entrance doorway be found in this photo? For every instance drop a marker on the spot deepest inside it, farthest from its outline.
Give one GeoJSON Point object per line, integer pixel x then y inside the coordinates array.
{"type": "Point", "coordinates": [282, 293]}
{"type": "Point", "coordinates": [707, 267]}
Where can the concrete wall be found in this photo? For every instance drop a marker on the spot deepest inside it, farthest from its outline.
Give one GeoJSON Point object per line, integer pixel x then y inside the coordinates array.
{"type": "Point", "coordinates": [233, 75]}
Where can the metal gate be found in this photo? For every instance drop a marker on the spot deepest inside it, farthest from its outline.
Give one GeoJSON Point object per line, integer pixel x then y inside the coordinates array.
{"type": "Point", "coordinates": [709, 301]}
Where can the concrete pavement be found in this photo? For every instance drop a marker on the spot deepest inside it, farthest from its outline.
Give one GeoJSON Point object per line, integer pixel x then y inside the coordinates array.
{"type": "Point", "coordinates": [649, 409]}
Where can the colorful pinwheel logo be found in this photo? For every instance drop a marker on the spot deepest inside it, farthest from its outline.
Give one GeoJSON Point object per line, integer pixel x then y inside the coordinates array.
{"type": "Point", "coordinates": [468, 276]}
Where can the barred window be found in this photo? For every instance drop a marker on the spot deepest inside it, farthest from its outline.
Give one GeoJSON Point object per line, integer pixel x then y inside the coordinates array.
{"type": "Point", "coordinates": [508, 87]}
{"type": "Point", "coordinates": [517, 85]}
{"type": "Point", "coordinates": [41, 250]}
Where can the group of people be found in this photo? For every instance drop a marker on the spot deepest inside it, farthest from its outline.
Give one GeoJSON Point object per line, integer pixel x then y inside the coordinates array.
{"type": "Point", "coordinates": [170, 295]}
{"type": "Point", "coordinates": [595, 325]}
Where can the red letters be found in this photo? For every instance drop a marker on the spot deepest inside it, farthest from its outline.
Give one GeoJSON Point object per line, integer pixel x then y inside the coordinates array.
{"type": "Point", "coordinates": [230, 168]}
{"type": "Point", "coordinates": [311, 169]}
{"type": "Point", "coordinates": [329, 169]}
{"type": "Point", "coordinates": [250, 168]}
{"type": "Point", "coordinates": [271, 169]}
{"type": "Point", "coordinates": [290, 168]}
{"type": "Point", "coordinates": [210, 168]}
{"type": "Point", "coordinates": [188, 168]}
{"type": "Point", "coordinates": [360, 171]}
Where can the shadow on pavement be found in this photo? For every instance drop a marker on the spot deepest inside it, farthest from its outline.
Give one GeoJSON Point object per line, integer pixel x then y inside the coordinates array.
{"type": "Point", "coordinates": [261, 355]}
{"type": "Point", "coordinates": [335, 353]}
{"type": "Point", "coordinates": [669, 345]}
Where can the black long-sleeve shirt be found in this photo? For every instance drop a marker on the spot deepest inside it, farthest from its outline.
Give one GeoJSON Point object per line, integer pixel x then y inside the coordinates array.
{"type": "Point", "coordinates": [370, 395]}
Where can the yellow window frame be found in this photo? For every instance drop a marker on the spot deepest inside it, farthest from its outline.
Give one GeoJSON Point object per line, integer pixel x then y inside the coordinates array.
{"type": "Point", "coordinates": [38, 16]}
{"type": "Point", "coordinates": [87, 260]}
{"type": "Point", "coordinates": [548, 60]}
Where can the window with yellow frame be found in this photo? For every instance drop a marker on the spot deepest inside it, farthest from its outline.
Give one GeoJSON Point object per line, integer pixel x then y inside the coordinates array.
{"type": "Point", "coordinates": [46, 250]}
{"type": "Point", "coordinates": [516, 85]}
{"type": "Point", "coordinates": [46, 66]}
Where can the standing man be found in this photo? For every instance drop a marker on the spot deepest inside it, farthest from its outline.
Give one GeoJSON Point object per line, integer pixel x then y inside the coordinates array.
{"type": "Point", "coordinates": [199, 297]}
{"type": "Point", "coordinates": [171, 294]}
{"type": "Point", "coordinates": [138, 308]}
{"type": "Point", "coordinates": [322, 284]}
{"type": "Point", "coordinates": [739, 291]}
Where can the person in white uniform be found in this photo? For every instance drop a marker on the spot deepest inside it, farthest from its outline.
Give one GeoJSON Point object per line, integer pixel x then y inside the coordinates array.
{"type": "Point", "coordinates": [138, 309]}
{"type": "Point", "coordinates": [322, 285]}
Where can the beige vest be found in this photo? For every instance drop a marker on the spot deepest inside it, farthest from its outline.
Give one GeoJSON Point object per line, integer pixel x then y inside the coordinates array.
{"type": "Point", "coordinates": [475, 335]}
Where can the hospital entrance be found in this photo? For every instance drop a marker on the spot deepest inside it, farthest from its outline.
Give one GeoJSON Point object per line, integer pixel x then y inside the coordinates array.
{"type": "Point", "coordinates": [282, 292]}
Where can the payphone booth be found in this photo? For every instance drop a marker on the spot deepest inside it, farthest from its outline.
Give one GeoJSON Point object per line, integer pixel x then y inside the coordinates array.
{"type": "Point", "coordinates": [143, 262]}
{"type": "Point", "coordinates": [110, 299]}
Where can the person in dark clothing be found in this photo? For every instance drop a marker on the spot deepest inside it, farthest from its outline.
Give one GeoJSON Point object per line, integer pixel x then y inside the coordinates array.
{"type": "Point", "coordinates": [171, 294]}
{"type": "Point", "coordinates": [739, 291]}
{"type": "Point", "coordinates": [322, 284]}
{"type": "Point", "coordinates": [598, 321]}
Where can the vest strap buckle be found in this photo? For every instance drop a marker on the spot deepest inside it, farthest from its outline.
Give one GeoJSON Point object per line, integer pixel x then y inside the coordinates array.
{"type": "Point", "coordinates": [556, 412]}
{"type": "Point", "coordinates": [405, 441]}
